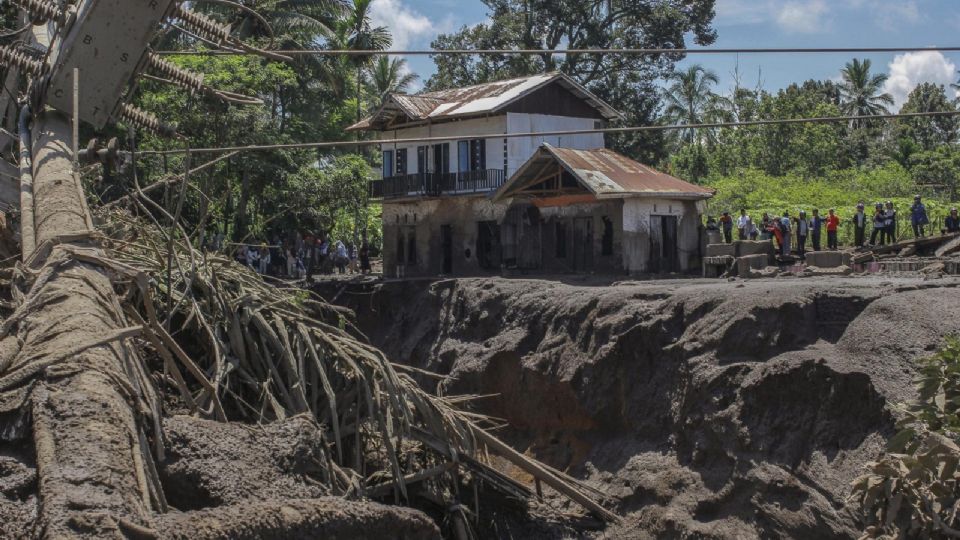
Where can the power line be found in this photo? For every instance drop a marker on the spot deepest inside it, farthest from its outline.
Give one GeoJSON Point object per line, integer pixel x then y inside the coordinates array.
{"type": "Point", "coordinates": [538, 52]}
{"type": "Point", "coordinates": [631, 129]}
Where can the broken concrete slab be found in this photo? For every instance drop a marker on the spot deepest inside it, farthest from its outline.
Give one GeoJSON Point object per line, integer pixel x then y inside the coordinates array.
{"type": "Point", "coordinates": [750, 247]}
{"type": "Point", "coordinates": [751, 262]}
{"type": "Point", "coordinates": [949, 248]}
{"type": "Point", "coordinates": [840, 270]}
{"type": "Point", "coordinates": [721, 250]}
{"type": "Point", "coordinates": [825, 259]}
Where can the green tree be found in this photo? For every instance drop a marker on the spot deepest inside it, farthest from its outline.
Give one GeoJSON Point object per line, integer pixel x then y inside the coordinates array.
{"type": "Point", "coordinates": [388, 76]}
{"type": "Point", "coordinates": [690, 100]}
{"type": "Point", "coordinates": [355, 31]}
{"type": "Point", "coordinates": [929, 132]}
{"type": "Point", "coordinates": [861, 92]}
{"type": "Point", "coordinates": [938, 169]}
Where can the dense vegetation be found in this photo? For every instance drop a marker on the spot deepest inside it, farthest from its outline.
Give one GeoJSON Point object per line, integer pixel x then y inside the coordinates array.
{"type": "Point", "coordinates": [913, 491]}
{"type": "Point", "coordinates": [761, 168]}
{"type": "Point", "coordinates": [273, 195]}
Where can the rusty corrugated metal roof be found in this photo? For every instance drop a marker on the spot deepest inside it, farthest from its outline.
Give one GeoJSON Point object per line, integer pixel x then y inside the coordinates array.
{"type": "Point", "coordinates": [606, 174]}
{"type": "Point", "coordinates": [474, 100]}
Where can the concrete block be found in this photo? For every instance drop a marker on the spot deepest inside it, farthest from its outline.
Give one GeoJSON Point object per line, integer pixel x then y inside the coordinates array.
{"type": "Point", "coordinates": [831, 271]}
{"type": "Point", "coordinates": [721, 250]}
{"type": "Point", "coordinates": [751, 262]}
{"type": "Point", "coordinates": [825, 259]}
{"type": "Point", "coordinates": [749, 247]}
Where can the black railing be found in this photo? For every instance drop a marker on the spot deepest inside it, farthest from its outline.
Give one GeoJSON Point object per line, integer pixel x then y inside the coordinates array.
{"type": "Point", "coordinates": [436, 184]}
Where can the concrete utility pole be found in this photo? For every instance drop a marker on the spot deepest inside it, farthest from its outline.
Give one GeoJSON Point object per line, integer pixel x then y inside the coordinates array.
{"type": "Point", "coordinates": [96, 474]}
{"type": "Point", "coordinates": [91, 456]}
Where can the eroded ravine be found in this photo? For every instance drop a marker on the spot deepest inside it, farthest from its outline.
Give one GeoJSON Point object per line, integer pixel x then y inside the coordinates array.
{"type": "Point", "coordinates": [716, 409]}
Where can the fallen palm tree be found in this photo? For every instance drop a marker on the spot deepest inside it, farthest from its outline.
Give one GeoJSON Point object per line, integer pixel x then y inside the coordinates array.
{"type": "Point", "coordinates": [235, 348]}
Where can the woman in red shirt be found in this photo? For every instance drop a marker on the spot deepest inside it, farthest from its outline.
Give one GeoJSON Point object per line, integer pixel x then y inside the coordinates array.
{"type": "Point", "coordinates": [833, 222]}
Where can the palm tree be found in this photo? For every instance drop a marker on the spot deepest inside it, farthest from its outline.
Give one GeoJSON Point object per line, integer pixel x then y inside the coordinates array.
{"type": "Point", "coordinates": [356, 31]}
{"type": "Point", "coordinates": [388, 76]}
{"type": "Point", "coordinates": [691, 100]}
{"type": "Point", "coordinates": [860, 91]}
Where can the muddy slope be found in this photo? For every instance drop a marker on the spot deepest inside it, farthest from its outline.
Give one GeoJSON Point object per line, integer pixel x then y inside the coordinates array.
{"type": "Point", "coordinates": [706, 409]}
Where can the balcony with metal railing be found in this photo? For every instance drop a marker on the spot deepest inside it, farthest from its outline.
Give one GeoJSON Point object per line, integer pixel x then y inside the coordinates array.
{"type": "Point", "coordinates": [437, 184]}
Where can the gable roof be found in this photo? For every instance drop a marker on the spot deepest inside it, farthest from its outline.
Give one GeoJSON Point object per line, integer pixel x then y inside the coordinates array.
{"type": "Point", "coordinates": [604, 173]}
{"type": "Point", "coordinates": [475, 100]}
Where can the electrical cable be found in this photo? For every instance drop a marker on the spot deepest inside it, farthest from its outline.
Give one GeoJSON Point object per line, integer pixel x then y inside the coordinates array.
{"type": "Point", "coordinates": [539, 52]}
{"type": "Point", "coordinates": [17, 32]}
{"type": "Point", "coordinates": [630, 129]}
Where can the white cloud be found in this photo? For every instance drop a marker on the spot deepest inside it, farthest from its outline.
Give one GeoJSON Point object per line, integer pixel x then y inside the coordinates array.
{"type": "Point", "coordinates": [407, 26]}
{"type": "Point", "coordinates": [806, 17]}
{"type": "Point", "coordinates": [795, 16]}
{"type": "Point", "coordinates": [910, 69]}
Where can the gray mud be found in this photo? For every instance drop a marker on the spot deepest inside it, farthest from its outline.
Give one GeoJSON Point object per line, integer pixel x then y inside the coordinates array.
{"type": "Point", "coordinates": [703, 409]}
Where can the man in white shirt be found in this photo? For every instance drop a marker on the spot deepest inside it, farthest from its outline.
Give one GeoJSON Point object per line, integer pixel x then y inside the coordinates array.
{"type": "Point", "coordinates": [742, 222]}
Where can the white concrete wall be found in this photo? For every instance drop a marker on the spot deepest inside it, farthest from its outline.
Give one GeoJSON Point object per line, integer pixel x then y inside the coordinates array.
{"type": "Point", "coordinates": [475, 126]}
{"type": "Point", "coordinates": [519, 149]}
{"type": "Point", "coordinates": [636, 230]}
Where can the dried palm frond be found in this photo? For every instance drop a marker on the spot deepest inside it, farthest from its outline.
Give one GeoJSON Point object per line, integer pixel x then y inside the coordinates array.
{"type": "Point", "coordinates": [259, 352]}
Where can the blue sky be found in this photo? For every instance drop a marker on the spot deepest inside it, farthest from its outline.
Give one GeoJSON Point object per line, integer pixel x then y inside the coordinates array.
{"type": "Point", "coordinates": [757, 23]}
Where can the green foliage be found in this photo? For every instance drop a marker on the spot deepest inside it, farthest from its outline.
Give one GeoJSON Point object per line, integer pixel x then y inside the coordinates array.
{"type": "Point", "coordinates": [258, 195]}
{"type": "Point", "coordinates": [759, 192]}
{"type": "Point", "coordinates": [914, 489]}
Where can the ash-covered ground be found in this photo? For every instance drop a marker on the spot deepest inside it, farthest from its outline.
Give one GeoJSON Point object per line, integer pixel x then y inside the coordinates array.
{"type": "Point", "coordinates": [707, 409]}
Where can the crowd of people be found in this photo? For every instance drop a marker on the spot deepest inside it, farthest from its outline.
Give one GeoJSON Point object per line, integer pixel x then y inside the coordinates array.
{"type": "Point", "coordinates": [795, 232]}
{"type": "Point", "coordinates": [305, 256]}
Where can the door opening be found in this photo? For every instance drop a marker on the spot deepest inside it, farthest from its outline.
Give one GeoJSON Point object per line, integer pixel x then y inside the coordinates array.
{"type": "Point", "coordinates": [446, 249]}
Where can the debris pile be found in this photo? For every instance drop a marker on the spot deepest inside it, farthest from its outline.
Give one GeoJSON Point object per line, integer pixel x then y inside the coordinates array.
{"type": "Point", "coordinates": [933, 255]}
{"type": "Point", "coordinates": [216, 342]}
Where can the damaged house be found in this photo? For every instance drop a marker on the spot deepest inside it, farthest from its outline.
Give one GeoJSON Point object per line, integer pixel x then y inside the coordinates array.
{"type": "Point", "coordinates": [481, 203]}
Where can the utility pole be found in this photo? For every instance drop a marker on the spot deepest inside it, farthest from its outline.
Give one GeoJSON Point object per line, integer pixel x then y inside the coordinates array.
{"type": "Point", "coordinates": [89, 395]}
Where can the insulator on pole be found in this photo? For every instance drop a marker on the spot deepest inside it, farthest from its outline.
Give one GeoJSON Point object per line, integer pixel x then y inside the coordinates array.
{"type": "Point", "coordinates": [144, 120]}
{"type": "Point", "coordinates": [182, 77]}
{"type": "Point", "coordinates": [203, 25]}
{"type": "Point", "coordinates": [43, 10]}
{"type": "Point", "coordinates": [12, 57]}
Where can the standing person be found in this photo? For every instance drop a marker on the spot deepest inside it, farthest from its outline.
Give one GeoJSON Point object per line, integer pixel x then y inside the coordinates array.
{"type": "Point", "coordinates": [859, 226]}
{"type": "Point", "coordinates": [918, 217]}
{"type": "Point", "coordinates": [276, 257]}
{"type": "Point", "coordinates": [751, 229]}
{"type": "Point", "coordinates": [324, 260]}
{"type": "Point", "coordinates": [742, 224]}
{"type": "Point", "coordinates": [785, 230]}
{"type": "Point", "coordinates": [816, 229]}
{"type": "Point", "coordinates": [253, 258]}
{"type": "Point", "coordinates": [354, 266]}
{"type": "Point", "coordinates": [306, 254]}
{"type": "Point", "coordinates": [952, 223]}
{"type": "Point", "coordinates": [726, 224]}
{"type": "Point", "coordinates": [341, 257]}
{"type": "Point", "coordinates": [365, 256]}
{"type": "Point", "coordinates": [765, 227]}
{"type": "Point", "coordinates": [803, 230]}
{"type": "Point", "coordinates": [890, 222]}
{"type": "Point", "coordinates": [291, 259]}
{"type": "Point", "coordinates": [833, 225]}
{"type": "Point", "coordinates": [264, 259]}
{"type": "Point", "coordinates": [879, 224]}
